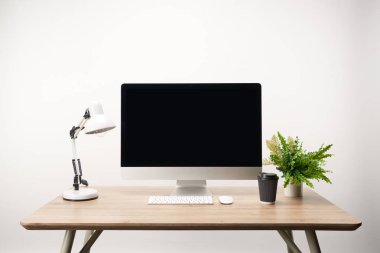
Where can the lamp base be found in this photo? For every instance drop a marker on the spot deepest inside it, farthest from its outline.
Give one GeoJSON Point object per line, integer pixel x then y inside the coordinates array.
{"type": "Point", "coordinates": [80, 195]}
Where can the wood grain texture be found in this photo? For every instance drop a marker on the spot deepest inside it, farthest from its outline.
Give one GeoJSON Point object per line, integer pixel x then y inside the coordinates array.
{"type": "Point", "coordinates": [126, 208]}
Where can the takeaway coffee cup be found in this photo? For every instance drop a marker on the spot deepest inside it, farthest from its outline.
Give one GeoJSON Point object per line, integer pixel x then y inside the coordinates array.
{"type": "Point", "coordinates": [267, 187]}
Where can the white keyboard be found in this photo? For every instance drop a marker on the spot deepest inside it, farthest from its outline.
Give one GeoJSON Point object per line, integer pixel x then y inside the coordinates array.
{"type": "Point", "coordinates": [180, 200]}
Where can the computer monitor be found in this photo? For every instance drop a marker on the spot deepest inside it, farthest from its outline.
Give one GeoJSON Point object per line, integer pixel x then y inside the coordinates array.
{"type": "Point", "coordinates": [191, 133]}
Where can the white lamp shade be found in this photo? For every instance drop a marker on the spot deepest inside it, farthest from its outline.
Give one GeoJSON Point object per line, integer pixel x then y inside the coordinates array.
{"type": "Point", "coordinates": [98, 122]}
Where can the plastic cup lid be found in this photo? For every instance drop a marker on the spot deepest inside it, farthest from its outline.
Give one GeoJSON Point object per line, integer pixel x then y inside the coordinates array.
{"type": "Point", "coordinates": [267, 176]}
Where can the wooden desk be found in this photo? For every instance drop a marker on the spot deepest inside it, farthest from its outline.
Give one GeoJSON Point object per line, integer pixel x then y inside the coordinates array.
{"type": "Point", "coordinates": [126, 208]}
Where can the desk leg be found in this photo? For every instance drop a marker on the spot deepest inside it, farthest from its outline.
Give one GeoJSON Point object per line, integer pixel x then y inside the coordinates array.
{"type": "Point", "coordinates": [312, 241]}
{"type": "Point", "coordinates": [290, 234]}
{"type": "Point", "coordinates": [86, 248]}
{"type": "Point", "coordinates": [289, 241]}
{"type": "Point", "coordinates": [87, 236]}
{"type": "Point", "coordinates": [68, 241]}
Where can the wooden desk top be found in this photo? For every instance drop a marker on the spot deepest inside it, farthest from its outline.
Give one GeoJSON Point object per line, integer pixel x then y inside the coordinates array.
{"type": "Point", "coordinates": [126, 208]}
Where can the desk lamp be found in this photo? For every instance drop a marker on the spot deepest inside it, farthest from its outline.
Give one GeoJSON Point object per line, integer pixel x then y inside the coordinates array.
{"type": "Point", "coordinates": [97, 123]}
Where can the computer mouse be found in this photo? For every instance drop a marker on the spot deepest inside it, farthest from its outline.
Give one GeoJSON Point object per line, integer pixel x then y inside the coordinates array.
{"type": "Point", "coordinates": [226, 200]}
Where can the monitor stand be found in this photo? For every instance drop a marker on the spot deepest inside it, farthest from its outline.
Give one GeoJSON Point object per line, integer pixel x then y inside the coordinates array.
{"type": "Point", "coordinates": [191, 188]}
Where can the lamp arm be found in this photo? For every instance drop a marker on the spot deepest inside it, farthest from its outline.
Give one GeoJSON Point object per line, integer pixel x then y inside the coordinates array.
{"type": "Point", "coordinates": [78, 180]}
{"type": "Point", "coordinates": [75, 130]}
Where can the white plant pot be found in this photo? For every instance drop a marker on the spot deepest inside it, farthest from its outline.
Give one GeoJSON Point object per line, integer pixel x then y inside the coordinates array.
{"type": "Point", "coordinates": [294, 190]}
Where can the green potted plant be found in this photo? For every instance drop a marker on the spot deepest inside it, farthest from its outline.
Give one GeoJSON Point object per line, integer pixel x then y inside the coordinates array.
{"type": "Point", "coordinates": [297, 165]}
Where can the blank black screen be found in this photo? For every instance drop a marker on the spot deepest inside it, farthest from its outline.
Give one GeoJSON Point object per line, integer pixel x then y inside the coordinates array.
{"type": "Point", "coordinates": [190, 125]}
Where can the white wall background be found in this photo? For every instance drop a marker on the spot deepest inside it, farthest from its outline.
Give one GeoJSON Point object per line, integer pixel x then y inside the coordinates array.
{"type": "Point", "coordinates": [318, 62]}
